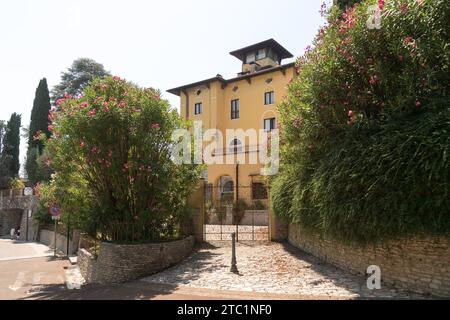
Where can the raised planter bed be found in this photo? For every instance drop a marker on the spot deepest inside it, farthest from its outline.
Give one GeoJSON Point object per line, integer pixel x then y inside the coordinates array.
{"type": "Point", "coordinates": [117, 263]}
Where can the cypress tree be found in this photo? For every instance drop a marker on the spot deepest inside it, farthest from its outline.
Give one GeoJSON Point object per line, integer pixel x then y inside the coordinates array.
{"type": "Point", "coordinates": [11, 147]}
{"type": "Point", "coordinates": [2, 133]}
{"type": "Point", "coordinates": [4, 179]}
{"type": "Point", "coordinates": [39, 123]}
{"type": "Point", "coordinates": [39, 115]}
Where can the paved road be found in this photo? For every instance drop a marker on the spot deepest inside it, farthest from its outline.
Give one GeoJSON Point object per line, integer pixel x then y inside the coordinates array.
{"type": "Point", "coordinates": [29, 271]}
{"type": "Point", "coordinates": [15, 250]}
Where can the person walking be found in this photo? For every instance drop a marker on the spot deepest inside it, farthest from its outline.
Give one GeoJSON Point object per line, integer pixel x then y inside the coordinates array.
{"type": "Point", "coordinates": [13, 233]}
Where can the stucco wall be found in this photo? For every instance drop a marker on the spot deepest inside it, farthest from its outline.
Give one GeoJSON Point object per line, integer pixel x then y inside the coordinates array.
{"type": "Point", "coordinates": [421, 265]}
{"type": "Point", "coordinates": [122, 263]}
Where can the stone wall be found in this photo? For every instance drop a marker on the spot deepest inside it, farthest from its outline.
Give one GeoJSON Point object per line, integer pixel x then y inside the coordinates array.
{"type": "Point", "coordinates": [258, 218]}
{"type": "Point", "coordinates": [87, 264]}
{"type": "Point", "coordinates": [9, 219]}
{"type": "Point", "coordinates": [255, 218]}
{"type": "Point", "coordinates": [420, 265]}
{"type": "Point", "coordinates": [13, 212]}
{"type": "Point", "coordinates": [47, 237]}
{"type": "Point", "coordinates": [122, 263]}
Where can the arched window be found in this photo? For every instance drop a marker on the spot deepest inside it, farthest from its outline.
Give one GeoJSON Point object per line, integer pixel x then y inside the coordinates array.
{"type": "Point", "coordinates": [236, 146]}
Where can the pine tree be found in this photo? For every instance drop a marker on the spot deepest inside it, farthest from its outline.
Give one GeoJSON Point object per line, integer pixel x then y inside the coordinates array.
{"type": "Point", "coordinates": [10, 150]}
{"type": "Point", "coordinates": [78, 77]}
{"type": "Point", "coordinates": [344, 4]}
{"type": "Point", "coordinates": [39, 123]}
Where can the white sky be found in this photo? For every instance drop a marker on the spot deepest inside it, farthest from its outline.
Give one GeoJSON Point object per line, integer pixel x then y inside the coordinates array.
{"type": "Point", "coordinates": [162, 44]}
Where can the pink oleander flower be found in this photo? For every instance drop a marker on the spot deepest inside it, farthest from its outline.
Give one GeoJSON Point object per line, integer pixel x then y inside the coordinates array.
{"type": "Point", "coordinates": [50, 127]}
{"type": "Point", "coordinates": [60, 102]}
{"type": "Point", "coordinates": [373, 80]}
{"type": "Point", "coordinates": [418, 104]}
{"type": "Point", "coordinates": [84, 104]}
{"type": "Point", "coordinates": [297, 123]}
{"type": "Point", "coordinates": [82, 144]}
{"type": "Point", "coordinates": [116, 78]}
{"type": "Point", "coordinates": [381, 4]}
{"type": "Point", "coordinates": [350, 113]}
{"type": "Point", "coordinates": [155, 126]}
{"type": "Point", "coordinates": [68, 96]}
{"type": "Point", "coordinates": [92, 113]}
{"type": "Point", "coordinates": [95, 150]}
{"type": "Point", "coordinates": [404, 8]}
{"type": "Point", "coordinates": [110, 153]}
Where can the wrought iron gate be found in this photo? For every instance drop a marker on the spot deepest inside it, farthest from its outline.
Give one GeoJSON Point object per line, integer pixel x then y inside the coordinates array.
{"type": "Point", "coordinates": [242, 210]}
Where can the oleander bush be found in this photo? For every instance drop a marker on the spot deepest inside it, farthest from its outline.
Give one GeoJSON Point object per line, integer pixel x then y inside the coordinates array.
{"type": "Point", "coordinates": [111, 153]}
{"type": "Point", "coordinates": [366, 125]}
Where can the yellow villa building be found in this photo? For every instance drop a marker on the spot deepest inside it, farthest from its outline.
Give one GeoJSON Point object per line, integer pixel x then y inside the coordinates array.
{"type": "Point", "coordinates": [248, 101]}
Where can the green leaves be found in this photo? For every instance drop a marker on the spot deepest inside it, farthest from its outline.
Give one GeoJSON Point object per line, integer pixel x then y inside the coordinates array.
{"type": "Point", "coordinates": [117, 140]}
{"type": "Point", "coordinates": [366, 157]}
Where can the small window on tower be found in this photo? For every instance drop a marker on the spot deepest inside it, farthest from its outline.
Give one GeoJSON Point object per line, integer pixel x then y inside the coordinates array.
{"type": "Point", "coordinates": [261, 54]}
{"type": "Point", "coordinates": [251, 57]}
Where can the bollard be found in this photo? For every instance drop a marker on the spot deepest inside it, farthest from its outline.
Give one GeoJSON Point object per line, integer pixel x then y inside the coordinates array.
{"type": "Point", "coordinates": [234, 268]}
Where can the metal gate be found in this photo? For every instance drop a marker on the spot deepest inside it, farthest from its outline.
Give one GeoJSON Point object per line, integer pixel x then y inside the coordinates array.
{"type": "Point", "coordinates": [236, 209]}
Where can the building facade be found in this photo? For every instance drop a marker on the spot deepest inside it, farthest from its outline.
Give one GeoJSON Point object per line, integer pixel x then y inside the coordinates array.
{"type": "Point", "coordinates": [248, 101]}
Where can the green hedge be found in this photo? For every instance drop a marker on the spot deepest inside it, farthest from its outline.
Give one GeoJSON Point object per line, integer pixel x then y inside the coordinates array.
{"type": "Point", "coordinates": [366, 126]}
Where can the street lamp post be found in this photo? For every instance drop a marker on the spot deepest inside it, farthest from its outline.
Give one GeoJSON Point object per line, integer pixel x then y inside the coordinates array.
{"type": "Point", "coordinates": [234, 268]}
{"type": "Point", "coordinates": [28, 192]}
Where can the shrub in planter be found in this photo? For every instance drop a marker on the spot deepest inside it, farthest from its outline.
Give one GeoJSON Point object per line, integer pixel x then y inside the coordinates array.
{"type": "Point", "coordinates": [366, 125]}
{"type": "Point", "coordinates": [113, 146]}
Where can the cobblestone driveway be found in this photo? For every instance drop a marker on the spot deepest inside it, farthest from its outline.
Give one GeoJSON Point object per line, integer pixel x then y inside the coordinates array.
{"type": "Point", "coordinates": [270, 268]}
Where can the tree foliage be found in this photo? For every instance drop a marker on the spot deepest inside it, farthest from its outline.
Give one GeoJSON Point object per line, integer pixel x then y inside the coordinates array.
{"type": "Point", "coordinates": [344, 4]}
{"type": "Point", "coordinates": [38, 125]}
{"type": "Point", "coordinates": [9, 158]}
{"type": "Point", "coordinates": [73, 82]}
{"type": "Point", "coordinates": [366, 125]}
{"type": "Point", "coordinates": [114, 145]}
